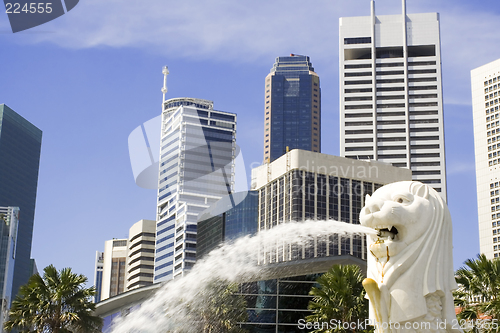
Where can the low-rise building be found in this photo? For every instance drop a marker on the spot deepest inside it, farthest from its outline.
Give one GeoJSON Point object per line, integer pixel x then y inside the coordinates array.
{"type": "Point", "coordinates": [126, 263]}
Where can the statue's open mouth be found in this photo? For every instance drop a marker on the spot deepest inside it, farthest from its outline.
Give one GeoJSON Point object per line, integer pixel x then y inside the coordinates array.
{"type": "Point", "coordinates": [387, 233]}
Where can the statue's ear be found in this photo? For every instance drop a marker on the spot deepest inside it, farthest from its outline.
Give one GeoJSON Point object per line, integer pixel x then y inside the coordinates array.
{"type": "Point", "coordinates": [419, 189]}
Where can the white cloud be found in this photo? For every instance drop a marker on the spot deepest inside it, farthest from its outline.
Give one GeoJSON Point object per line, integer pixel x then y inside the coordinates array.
{"type": "Point", "coordinates": [247, 31]}
{"type": "Point", "coordinates": [458, 167]}
{"type": "Point", "coordinates": [224, 29]}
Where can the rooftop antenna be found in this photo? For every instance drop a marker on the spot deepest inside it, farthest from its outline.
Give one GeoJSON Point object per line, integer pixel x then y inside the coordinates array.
{"type": "Point", "coordinates": [164, 89]}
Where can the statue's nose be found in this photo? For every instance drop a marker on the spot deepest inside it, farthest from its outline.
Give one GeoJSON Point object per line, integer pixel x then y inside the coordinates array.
{"type": "Point", "coordinates": [373, 205]}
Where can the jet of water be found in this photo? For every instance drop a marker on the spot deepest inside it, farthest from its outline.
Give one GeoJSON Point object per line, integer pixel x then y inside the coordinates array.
{"type": "Point", "coordinates": [236, 262]}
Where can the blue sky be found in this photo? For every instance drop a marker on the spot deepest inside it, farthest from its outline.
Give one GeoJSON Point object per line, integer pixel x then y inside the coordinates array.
{"type": "Point", "coordinates": [90, 77]}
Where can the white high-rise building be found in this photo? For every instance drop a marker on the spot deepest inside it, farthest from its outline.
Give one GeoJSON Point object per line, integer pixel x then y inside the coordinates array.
{"type": "Point", "coordinates": [9, 225]}
{"type": "Point", "coordinates": [391, 105]}
{"type": "Point", "coordinates": [485, 82]}
{"type": "Point", "coordinates": [114, 271]}
{"type": "Point", "coordinates": [196, 169]}
{"type": "Point", "coordinates": [141, 254]}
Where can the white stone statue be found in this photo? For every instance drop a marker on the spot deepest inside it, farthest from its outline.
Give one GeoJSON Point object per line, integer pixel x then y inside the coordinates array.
{"type": "Point", "coordinates": [410, 264]}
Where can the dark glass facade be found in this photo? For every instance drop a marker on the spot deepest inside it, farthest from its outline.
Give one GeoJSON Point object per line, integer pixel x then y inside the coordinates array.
{"type": "Point", "coordinates": [277, 305]}
{"type": "Point", "coordinates": [293, 107]}
{"type": "Point", "coordinates": [241, 220]}
{"type": "Point", "coordinates": [98, 286]}
{"type": "Point", "coordinates": [210, 235]}
{"type": "Point", "coordinates": [20, 144]}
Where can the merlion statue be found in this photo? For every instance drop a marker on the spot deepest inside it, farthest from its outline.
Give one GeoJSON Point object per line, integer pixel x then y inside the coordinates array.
{"type": "Point", "coordinates": [410, 265]}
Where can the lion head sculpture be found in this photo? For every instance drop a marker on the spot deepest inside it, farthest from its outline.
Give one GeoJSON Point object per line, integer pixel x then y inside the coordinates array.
{"type": "Point", "coordinates": [410, 258]}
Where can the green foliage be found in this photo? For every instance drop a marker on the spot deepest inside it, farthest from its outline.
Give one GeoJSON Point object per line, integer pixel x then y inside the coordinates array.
{"type": "Point", "coordinates": [478, 292]}
{"type": "Point", "coordinates": [339, 296]}
{"type": "Point", "coordinates": [58, 302]}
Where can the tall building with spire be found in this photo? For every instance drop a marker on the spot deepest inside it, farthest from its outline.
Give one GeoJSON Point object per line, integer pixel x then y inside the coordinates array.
{"type": "Point", "coordinates": [198, 147]}
{"type": "Point", "coordinates": [391, 101]}
{"type": "Point", "coordinates": [292, 107]}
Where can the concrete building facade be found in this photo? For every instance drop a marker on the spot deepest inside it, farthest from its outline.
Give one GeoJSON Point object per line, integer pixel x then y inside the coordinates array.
{"type": "Point", "coordinates": [303, 185]}
{"type": "Point", "coordinates": [485, 82]}
{"type": "Point", "coordinates": [126, 264]}
{"type": "Point", "coordinates": [114, 270]}
{"type": "Point", "coordinates": [198, 147]}
{"type": "Point", "coordinates": [391, 104]}
{"type": "Point", "coordinates": [141, 254]}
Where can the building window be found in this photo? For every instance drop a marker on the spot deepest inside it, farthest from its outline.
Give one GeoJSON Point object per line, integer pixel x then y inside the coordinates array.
{"type": "Point", "coordinates": [358, 40]}
{"type": "Point", "coordinates": [345, 193]}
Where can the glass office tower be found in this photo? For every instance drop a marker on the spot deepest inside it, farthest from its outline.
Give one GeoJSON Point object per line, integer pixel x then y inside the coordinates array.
{"type": "Point", "coordinates": [292, 107]}
{"type": "Point", "coordinates": [198, 148]}
{"type": "Point", "coordinates": [20, 144]}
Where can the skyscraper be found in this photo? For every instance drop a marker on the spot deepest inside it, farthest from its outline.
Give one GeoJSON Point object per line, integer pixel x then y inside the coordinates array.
{"type": "Point", "coordinates": [485, 81]}
{"type": "Point", "coordinates": [196, 169]}
{"type": "Point", "coordinates": [292, 107]}
{"type": "Point", "coordinates": [20, 144]}
{"type": "Point", "coordinates": [391, 105]}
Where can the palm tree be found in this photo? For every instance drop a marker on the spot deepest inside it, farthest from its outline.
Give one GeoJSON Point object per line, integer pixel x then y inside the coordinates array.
{"type": "Point", "coordinates": [58, 302]}
{"type": "Point", "coordinates": [478, 295]}
{"type": "Point", "coordinates": [339, 296]}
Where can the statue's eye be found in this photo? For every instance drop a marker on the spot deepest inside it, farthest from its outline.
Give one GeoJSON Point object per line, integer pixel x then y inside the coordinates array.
{"type": "Point", "coordinates": [401, 199]}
